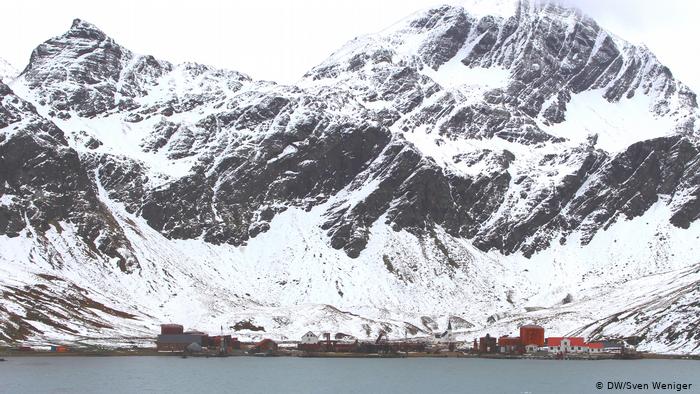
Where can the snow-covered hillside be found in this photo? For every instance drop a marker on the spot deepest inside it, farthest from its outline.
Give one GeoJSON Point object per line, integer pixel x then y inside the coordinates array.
{"type": "Point", "coordinates": [7, 71]}
{"type": "Point", "coordinates": [484, 170]}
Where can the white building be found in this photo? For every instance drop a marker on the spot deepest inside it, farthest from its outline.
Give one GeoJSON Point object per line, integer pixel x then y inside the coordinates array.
{"type": "Point", "coordinates": [447, 336]}
{"type": "Point", "coordinates": [595, 348]}
{"type": "Point", "coordinates": [567, 345]}
{"type": "Point", "coordinates": [309, 338]}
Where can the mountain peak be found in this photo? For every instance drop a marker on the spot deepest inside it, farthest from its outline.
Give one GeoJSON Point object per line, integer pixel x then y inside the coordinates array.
{"type": "Point", "coordinates": [83, 29]}
{"type": "Point", "coordinates": [479, 8]}
{"type": "Point", "coordinates": [74, 65]}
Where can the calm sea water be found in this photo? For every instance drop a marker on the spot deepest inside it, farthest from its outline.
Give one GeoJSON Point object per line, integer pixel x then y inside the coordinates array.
{"type": "Point", "coordinates": [316, 375]}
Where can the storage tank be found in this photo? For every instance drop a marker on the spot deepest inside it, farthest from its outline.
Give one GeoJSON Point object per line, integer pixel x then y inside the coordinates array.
{"type": "Point", "coordinates": [532, 334]}
{"type": "Point", "coordinates": [171, 329]}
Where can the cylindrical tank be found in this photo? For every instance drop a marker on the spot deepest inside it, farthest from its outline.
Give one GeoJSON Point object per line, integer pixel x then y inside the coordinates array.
{"type": "Point", "coordinates": [532, 334]}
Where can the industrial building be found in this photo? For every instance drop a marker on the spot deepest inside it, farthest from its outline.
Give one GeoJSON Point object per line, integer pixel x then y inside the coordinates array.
{"type": "Point", "coordinates": [579, 345]}
{"type": "Point", "coordinates": [532, 334]}
{"type": "Point", "coordinates": [488, 344]}
{"type": "Point", "coordinates": [173, 338]}
{"type": "Point", "coordinates": [264, 346]}
{"type": "Point", "coordinates": [229, 342]}
{"type": "Point", "coordinates": [310, 342]}
{"type": "Point", "coordinates": [567, 345]}
{"type": "Point", "coordinates": [530, 340]}
{"type": "Point", "coordinates": [508, 344]}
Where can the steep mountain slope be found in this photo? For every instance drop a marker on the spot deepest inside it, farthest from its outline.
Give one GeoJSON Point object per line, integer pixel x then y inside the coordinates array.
{"type": "Point", "coordinates": [489, 170]}
{"type": "Point", "coordinates": [493, 108]}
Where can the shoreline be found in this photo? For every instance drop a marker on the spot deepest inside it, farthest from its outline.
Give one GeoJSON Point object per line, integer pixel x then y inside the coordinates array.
{"type": "Point", "coordinates": [153, 353]}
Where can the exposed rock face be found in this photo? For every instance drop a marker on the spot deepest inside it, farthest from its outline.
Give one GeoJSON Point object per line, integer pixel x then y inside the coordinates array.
{"type": "Point", "coordinates": [245, 190]}
{"type": "Point", "coordinates": [453, 129]}
{"type": "Point", "coordinates": [43, 182]}
{"type": "Point", "coordinates": [551, 53]}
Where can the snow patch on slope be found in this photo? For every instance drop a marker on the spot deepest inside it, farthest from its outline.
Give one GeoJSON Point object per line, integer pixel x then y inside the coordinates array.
{"type": "Point", "coordinates": [617, 124]}
{"type": "Point", "coordinates": [124, 139]}
{"type": "Point", "coordinates": [454, 74]}
{"type": "Point", "coordinates": [481, 8]}
{"type": "Point", "coordinates": [613, 256]}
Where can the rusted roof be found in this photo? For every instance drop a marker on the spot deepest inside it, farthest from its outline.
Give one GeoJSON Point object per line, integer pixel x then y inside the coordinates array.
{"type": "Point", "coordinates": [575, 341]}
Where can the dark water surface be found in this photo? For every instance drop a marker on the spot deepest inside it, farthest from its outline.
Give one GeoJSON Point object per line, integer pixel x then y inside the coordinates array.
{"type": "Point", "coordinates": [319, 375]}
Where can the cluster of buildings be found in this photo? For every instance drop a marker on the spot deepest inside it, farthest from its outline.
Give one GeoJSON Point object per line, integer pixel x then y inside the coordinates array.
{"type": "Point", "coordinates": [48, 348]}
{"type": "Point", "coordinates": [173, 338]}
{"type": "Point", "coordinates": [532, 340]}
{"type": "Point", "coordinates": [343, 343]}
{"type": "Point", "coordinates": [310, 342]}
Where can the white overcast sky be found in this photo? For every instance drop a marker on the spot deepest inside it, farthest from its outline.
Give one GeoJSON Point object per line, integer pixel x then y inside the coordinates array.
{"type": "Point", "coordinates": [281, 39]}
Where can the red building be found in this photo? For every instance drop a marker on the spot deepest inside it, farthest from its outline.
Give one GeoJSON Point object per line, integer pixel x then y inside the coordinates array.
{"type": "Point", "coordinates": [171, 329]}
{"type": "Point", "coordinates": [229, 342]}
{"type": "Point", "coordinates": [172, 338]}
{"type": "Point", "coordinates": [508, 344]}
{"type": "Point", "coordinates": [567, 345]}
{"type": "Point", "coordinates": [488, 344]}
{"type": "Point", "coordinates": [345, 347]}
{"type": "Point", "coordinates": [309, 347]}
{"type": "Point", "coordinates": [266, 345]}
{"type": "Point", "coordinates": [532, 334]}
{"type": "Point", "coordinates": [343, 343]}
{"type": "Point", "coordinates": [328, 345]}
{"type": "Point", "coordinates": [573, 341]}
{"type": "Point", "coordinates": [596, 347]}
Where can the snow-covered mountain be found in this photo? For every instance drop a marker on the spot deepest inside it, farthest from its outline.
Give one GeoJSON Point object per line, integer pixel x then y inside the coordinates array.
{"type": "Point", "coordinates": [486, 170]}
{"type": "Point", "coordinates": [7, 71]}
